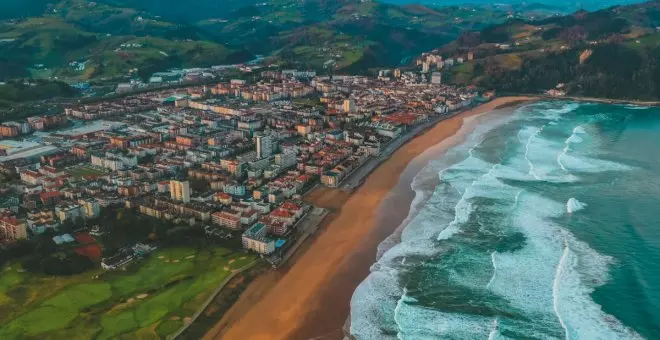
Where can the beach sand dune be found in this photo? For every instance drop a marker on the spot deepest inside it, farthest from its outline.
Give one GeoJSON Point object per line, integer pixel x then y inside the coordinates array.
{"type": "Point", "coordinates": [309, 298]}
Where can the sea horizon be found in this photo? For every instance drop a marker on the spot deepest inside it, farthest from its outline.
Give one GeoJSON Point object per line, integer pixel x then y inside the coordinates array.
{"type": "Point", "coordinates": [504, 237]}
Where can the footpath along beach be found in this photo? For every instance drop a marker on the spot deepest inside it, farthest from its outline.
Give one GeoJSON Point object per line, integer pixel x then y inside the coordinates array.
{"type": "Point", "coordinates": [309, 298]}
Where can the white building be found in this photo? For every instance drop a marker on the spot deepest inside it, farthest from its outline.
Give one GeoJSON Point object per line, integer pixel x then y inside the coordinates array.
{"type": "Point", "coordinates": [264, 146]}
{"type": "Point", "coordinates": [114, 161]}
{"type": "Point", "coordinates": [436, 78]}
{"type": "Point", "coordinates": [255, 239]}
{"type": "Point", "coordinates": [69, 212]}
{"type": "Point", "coordinates": [286, 159]}
{"type": "Point", "coordinates": [180, 191]}
{"type": "Point", "coordinates": [90, 207]}
{"type": "Point", "coordinates": [349, 105]}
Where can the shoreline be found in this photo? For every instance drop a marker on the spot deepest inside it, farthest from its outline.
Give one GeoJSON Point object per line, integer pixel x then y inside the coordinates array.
{"type": "Point", "coordinates": [602, 100]}
{"type": "Point", "coordinates": [309, 298]}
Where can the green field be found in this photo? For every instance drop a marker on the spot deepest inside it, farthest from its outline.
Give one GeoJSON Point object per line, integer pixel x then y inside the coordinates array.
{"type": "Point", "coordinates": [151, 299]}
{"type": "Point", "coordinates": [84, 171]}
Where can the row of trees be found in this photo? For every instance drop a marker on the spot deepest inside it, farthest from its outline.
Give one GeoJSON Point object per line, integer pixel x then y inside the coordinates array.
{"type": "Point", "coordinates": [121, 227]}
{"type": "Point", "coordinates": [18, 91]}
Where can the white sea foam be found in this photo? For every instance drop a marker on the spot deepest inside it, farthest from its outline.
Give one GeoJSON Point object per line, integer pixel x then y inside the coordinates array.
{"type": "Point", "coordinates": [592, 165]}
{"type": "Point", "coordinates": [372, 304]}
{"type": "Point", "coordinates": [582, 270]}
{"type": "Point", "coordinates": [494, 332]}
{"type": "Point", "coordinates": [494, 263]}
{"type": "Point", "coordinates": [554, 113]}
{"type": "Point", "coordinates": [530, 138]}
{"type": "Point", "coordinates": [573, 205]}
{"type": "Point", "coordinates": [416, 322]}
{"type": "Point", "coordinates": [637, 107]}
{"type": "Point", "coordinates": [555, 288]}
{"type": "Point", "coordinates": [573, 139]}
{"type": "Point", "coordinates": [553, 276]}
{"type": "Point", "coordinates": [548, 281]}
{"type": "Point", "coordinates": [464, 208]}
{"type": "Point", "coordinates": [540, 158]}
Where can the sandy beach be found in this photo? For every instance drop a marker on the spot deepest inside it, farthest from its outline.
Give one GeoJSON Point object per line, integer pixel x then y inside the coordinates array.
{"type": "Point", "coordinates": [309, 298]}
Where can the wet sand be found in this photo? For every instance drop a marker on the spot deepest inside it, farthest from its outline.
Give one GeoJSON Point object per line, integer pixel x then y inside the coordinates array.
{"type": "Point", "coordinates": [310, 297]}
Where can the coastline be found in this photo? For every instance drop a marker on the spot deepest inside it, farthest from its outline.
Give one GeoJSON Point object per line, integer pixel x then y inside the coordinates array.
{"type": "Point", "coordinates": [602, 100]}
{"type": "Point", "coordinates": [309, 297]}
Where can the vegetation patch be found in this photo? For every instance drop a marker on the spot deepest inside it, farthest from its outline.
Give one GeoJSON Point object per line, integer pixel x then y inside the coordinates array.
{"type": "Point", "coordinates": [85, 171]}
{"type": "Point", "coordinates": [150, 299]}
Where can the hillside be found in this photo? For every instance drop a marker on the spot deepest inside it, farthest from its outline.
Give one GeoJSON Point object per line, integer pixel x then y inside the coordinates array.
{"type": "Point", "coordinates": [612, 53]}
{"type": "Point", "coordinates": [350, 35]}
{"type": "Point", "coordinates": [565, 6]}
{"type": "Point", "coordinates": [84, 40]}
{"type": "Point", "coordinates": [340, 35]}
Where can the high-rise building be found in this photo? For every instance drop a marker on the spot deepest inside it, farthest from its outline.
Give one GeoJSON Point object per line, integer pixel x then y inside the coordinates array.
{"type": "Point", "coordinates": [180, 191]}
{"type": "Point", "coordinates": [12, 230]}
{"type": "Point", "coordinates": [264, 146]}
{"type": "Point", "coordinates": [397, 73]}
{"type": "Point", "coordinates": [426, 66]}
{"type": "Point", "coordinates": [286, 159]}
{"type": "Point", "coordinates": [91, 207]}
{"type": "Point", "coordinates": [349, 105]}
{"type": "Point", "coordinates": [436, 78]}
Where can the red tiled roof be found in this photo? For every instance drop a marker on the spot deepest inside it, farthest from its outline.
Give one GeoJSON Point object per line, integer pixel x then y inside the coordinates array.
{"type": "Point", "coordinates": [9, 220]}
{"type": "Point", "coordinates": [290, 206]}
{"type": "Point", "coordinates": [279, 212]}
{"type": "Point", "coordinates": [49, 194]}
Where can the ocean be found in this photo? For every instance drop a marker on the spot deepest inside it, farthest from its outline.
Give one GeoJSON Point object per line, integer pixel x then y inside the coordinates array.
{"type": "Point", "coordinates": [542, 224]}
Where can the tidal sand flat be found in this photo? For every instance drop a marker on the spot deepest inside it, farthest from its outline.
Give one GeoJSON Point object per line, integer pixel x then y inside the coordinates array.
{"type": "Point", "coordinates": [542, 224]}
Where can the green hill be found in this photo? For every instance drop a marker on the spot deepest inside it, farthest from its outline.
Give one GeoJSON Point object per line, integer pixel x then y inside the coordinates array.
{"type": "Point", "coordinates": [349, 35]}
{"type": "Point", "coordinates": [355, 35]}
{"type": "Point", "coordinates": [111, 42]}
{"type": "Point", "coordinates": [612, 53]}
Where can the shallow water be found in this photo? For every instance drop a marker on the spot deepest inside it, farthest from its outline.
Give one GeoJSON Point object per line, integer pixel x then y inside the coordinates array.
{"type": "Point", "coordinates": [542, 225]}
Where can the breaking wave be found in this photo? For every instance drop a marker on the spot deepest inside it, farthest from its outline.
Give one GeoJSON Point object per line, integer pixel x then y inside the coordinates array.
{"type": "Point", "coordinates": [481, 254]}
{"type": "Point", "coordinates": [573, 205]}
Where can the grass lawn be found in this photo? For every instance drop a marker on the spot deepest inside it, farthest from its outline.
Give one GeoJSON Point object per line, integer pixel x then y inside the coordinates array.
{"type": "Point", "coordinates": [83, 171]}
{"type": "Point", "coordinates": [151, 299]}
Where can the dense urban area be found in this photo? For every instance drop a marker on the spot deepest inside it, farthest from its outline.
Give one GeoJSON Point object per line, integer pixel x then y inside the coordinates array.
{"type": "Point", "coordinates": [229, 157]}
{"type": "Point", "coordinates": [111, 183]}
{"type": "Point", "coordinates": [155, 161]}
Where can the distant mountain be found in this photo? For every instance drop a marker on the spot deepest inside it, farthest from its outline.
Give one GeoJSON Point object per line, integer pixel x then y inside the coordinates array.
{"type": "Point", "coordinates": [83, 40]}
{"type": "Point", "coordinates": [566, 6]}
{"type": "Point", "coordinates": [613, 53]}
{"type": "Point", "coordinates": [186, 11]}
{"type": "Point", "coordinates": [344, 35]}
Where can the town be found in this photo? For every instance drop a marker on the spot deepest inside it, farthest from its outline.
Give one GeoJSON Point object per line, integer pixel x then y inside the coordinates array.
{"type": "Point", "coordinates": [231, 160]}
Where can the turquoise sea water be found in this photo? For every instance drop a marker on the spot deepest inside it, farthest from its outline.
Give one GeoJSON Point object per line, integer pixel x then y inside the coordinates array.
{"type": "Point", "coordinates": [544, 224]}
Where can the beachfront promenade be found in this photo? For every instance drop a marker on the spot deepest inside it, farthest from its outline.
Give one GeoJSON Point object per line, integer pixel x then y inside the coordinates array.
{"type": "Point", "coordinates": [356, 178]}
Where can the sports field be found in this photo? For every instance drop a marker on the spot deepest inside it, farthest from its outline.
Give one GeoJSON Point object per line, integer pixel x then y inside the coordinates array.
{"type": "Point", "coordinates": [85, 171]}
{"type": "Point", "coordinates": [149, 300]}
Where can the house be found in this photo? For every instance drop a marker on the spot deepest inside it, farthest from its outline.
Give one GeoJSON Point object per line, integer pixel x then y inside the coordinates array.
{"type": "Point", "coordinates": [223, 198]}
